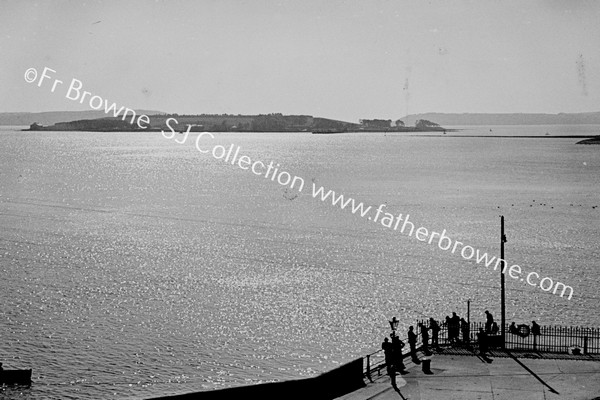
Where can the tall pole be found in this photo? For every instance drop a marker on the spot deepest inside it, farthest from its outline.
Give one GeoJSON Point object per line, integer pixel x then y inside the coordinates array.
{"type": "Point", "coordinates": [502, 295]}
{"type": "Point", "coordinates": [469, 312]}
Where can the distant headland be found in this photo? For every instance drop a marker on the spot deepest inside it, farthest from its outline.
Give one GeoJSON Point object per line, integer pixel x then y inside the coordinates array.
{"type": "Point", "coordinates": [507, 119]}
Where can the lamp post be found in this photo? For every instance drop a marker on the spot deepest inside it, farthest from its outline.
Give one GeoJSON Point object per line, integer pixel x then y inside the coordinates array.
{"type": "Point", "coordinates": [469, 312]}
{"type": "Point", "coordinates": [502, 288]}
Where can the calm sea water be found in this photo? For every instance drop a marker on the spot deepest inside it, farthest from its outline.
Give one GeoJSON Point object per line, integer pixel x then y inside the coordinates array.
{"type": "Point", "coordinates": [133, 266]}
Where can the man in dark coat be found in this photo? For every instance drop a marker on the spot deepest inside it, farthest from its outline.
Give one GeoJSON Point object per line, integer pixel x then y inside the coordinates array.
{"type": "Point", "coordinates": [412, 342]}
{"type": "Point", "coordinates": [424, 338]}
{"type": "Point", "coordinates": [397, 346]}
{"type": "Point", "coordinates": [454, 328]}
{"type": "Point", "coordinates": [389, 360]}
{"type": "Point", "coordinates": [535, 331]}
{"type": "Point", "coordinates": [489, 320]}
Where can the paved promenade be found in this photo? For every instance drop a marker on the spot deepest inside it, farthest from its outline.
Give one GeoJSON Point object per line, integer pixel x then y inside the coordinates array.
{"type": "Point", "coordinates": [464, 377]}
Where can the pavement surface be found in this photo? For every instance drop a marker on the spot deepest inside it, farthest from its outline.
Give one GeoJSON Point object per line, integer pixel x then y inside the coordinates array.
{"type": "Point", "coordinates": [464, 376]}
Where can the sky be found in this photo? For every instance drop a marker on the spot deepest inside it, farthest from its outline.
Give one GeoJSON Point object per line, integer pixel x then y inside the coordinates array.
{"type": "Point", "coordinates": [338, 59]}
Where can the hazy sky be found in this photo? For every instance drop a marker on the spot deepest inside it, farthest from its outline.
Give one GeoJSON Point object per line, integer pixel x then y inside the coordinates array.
{"type": "Point", "coordinates": [338, 59]}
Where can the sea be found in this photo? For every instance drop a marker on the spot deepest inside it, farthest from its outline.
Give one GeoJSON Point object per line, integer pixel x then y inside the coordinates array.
{"type": "Point", "coordinates": [133, 266]}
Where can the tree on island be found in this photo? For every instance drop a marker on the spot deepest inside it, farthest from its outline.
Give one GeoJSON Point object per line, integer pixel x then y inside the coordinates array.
{"type": "Point", "coordinates": [423, 123]}
{"type": "Point", "coordinates": [376, 123]}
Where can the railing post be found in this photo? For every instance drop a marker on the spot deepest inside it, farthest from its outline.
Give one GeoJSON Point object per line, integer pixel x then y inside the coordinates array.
{"type": "Point", "coordinates": [369, 367]}
{"type": "Point", "coordinates": [585, 345]}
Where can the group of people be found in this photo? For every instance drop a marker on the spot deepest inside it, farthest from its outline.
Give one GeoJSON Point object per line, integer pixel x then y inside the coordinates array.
{"type": "Point", "coordinates": [535, 329]}
{"type": "Point", "coordinates": [457, 327]}
{"type": "Point", "coordinates": [458, 333]}
{"type": "Point", "coordinates": [393, 356]}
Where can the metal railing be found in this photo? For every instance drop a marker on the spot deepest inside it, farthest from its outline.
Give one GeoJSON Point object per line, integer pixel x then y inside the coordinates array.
{"type": "Point", "coordinates": [551, 339]}
{"type": "Point", "coordinates": [375, 362]}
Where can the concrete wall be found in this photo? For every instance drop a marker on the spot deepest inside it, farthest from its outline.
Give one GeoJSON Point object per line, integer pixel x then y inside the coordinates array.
{"type": "Point", "coordinates": [329, 385]}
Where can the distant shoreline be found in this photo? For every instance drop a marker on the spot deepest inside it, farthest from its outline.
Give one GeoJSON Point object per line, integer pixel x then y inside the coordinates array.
{"type": "Point", "coordinates": [443, 119]}
{"type": "Point", "coordinates": [590, 137]}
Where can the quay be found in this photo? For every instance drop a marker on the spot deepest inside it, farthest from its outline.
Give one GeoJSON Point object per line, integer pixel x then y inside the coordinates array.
{"type": "Point", "coordinates": [463, 376]}
{"type": "Point", "coordinates": [558, 363]}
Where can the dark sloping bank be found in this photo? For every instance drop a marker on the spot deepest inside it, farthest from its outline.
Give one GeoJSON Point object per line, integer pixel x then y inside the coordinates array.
{"type": "Point", "coordinates": [329, 385]}
{"type": "Point", "coordinates": [594, 140]}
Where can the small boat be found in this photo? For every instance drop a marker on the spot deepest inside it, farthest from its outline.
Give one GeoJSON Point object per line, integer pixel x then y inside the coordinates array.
{"type": "Point", "coordinates": [15, 377]}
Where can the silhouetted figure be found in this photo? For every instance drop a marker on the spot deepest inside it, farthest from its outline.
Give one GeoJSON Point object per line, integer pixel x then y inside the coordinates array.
{"type": "Point", "coordinates": [489, 320]}
{"type": "Point", "coordinates": [535, 331]}
{"type": "Point", "coordinates": [1, 369]}
{"type": "Point", "coordinates": [495, 328]}
{"type": "Point", "coordinates": [513, 329]}
{"type": "Point", "coordinates": [386, 346]}
{"type": "Point", "coordinates": [389, 360]}
{"type": "Point", "coordinates": [435, 331]}
{"type": "Point", "coordinates": [454, 328]}
{"type": "Point", "coordinates": [397, 346]}
{"type": "Point", "coordinates": [425, 338]}
{"type": "Point", "coordinates": [465, 329]}
{"type": "Point", "coordinates": [482, 339]}
{"type": "Point", "coordinates": [447, 325]}
{"type": "Point", "coordinates": [412, 342]}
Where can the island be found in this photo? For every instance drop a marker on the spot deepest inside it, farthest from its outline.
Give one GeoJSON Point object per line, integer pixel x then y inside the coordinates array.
{"type": "Point", "coordinates": [239, 123]}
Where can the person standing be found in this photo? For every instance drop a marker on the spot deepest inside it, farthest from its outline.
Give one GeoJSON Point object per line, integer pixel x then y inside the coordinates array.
{"type": "Point", "coordinates": [424, 338]}
{"type": "Point", "coordinates": [447, 324]}
{"type": "Point", "coordinates": [454, 328]}
{"type": "Point", "coordinates": [412, 342]}
{"type": "Point", "coordinates": [465, 329]}
{"type": "Point", "coordinates": [535, 328]}
{"type": "Point", "coordinates": [397, 346]}
{"type": "Point", "coordinates": [489, 320]}
{"type": "Point", "coordinates": [389, 360]}
{"type": "Point", "coordinates": [535, 331]}
{"type": "Point", "coordinates": [435, 330]}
